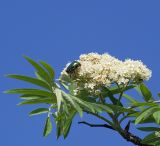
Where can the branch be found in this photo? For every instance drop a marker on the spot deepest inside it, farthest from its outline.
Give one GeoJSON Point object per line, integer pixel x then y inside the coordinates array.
{"type": "Point", "coordinates": [133, 138]}
{"type": "Point", "coordinates": [97, 125]}
{"type": "Point", "coordinates": [124, 133]}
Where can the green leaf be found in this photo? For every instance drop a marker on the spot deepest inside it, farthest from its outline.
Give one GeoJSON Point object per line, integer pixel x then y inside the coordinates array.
{"type": "Point", "coordinates": [59, 97]}
{"type": "Point", "coordinates": [65, 107]}
{"type": "Point", "coordinates": [84, 104]}
{"type": "Point", "coordinates": [64, 85]}
{"type": "Point", "coordinates": [102, 107]}
{"type": "Point", "coordinates": [120, 109]}
{"type": "Point", "coordinates": [48, 68]}
{"type": "Point", "coordinates": [151, 138]}
{"type": "Point", "coordinates": [39, 69]}
{"type": "Point", "coordinates": [157, 143]}
{"type": "Point", "coordinates": [67, 129]}
{"type": "Point", "coordinates": [30, 96]}
{"type": "Point", "coordinates": [116, 90]}
{"type": "Point", "coordinates": [72, 87]}
{"type": "Point", "coordinates": [110, 93]}
{"type": "Point", "coordinates": [65, 78]}
{"type": "Point", "coordinates": [131, 99]}
{"type": "Point", "coordinates": [58, 130]}
{"type": "Point", "coordinates": [146, 93]}
{"type": "Point", "coordinates": [112, 98]}
{"type": "Point", "coordinates": [148, 129]}
{"type": "Point", "coordinates": [30, 80]}
{"type": "Point", "coordinates": [48, 127]}
{"type": "Point", "coordinates": [145, 104]}
{"type": "Point", "coordinates": [68, 123]}
{"type": "Point", "coordinates": [156, 116]}
{"type": "Point", "coordinates": [85, 95]}
{"type": "Point", "coordinates": [59, 124]}
{"type": "Point", "coordinates": [39, 77]}
{"type": "Point", "coordinates": [129, 87]}
{"type": "Point", "coordinates": [145, 114]}
{"type": "Point", "coordinates": [54, 106]}
{"type": "Point", "coordinates": [148, 120]}
{"type": "Point", "coordinates": [39, 111]}
{"type": "Point", "coordinates": [37, 101]}
{"type": "Point", "coordinates": [73, 103]}
{"type": "Point", "coordinates": [30, 92]}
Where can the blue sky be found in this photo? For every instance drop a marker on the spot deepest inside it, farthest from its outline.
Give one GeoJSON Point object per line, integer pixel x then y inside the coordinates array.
{"type": "Point", "coordinates": [58, 32]}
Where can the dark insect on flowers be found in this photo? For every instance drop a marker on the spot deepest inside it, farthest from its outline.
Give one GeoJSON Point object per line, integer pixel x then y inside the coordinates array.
{"type": "Point", "coordinates": [72, 67]}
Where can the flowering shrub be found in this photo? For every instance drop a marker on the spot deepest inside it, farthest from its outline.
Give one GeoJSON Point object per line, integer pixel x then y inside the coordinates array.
{"type": "Point", "coordinates": [94, 84]}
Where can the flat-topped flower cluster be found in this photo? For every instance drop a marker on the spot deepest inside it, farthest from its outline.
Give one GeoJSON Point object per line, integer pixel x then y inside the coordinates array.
{"type": "Point", "coordinates": [103, 70]}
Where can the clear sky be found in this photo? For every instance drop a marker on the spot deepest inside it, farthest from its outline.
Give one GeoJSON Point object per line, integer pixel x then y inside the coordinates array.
{"type": "Point", "coordinates": [59, 31]}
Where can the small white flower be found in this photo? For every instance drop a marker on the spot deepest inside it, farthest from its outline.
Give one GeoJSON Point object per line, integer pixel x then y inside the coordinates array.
{"type": "Point", "coordinates": [103, 70]}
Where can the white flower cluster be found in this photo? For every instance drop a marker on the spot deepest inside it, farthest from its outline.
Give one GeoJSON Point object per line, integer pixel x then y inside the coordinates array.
{"type": "Point", "coordinates": [103, 70]}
